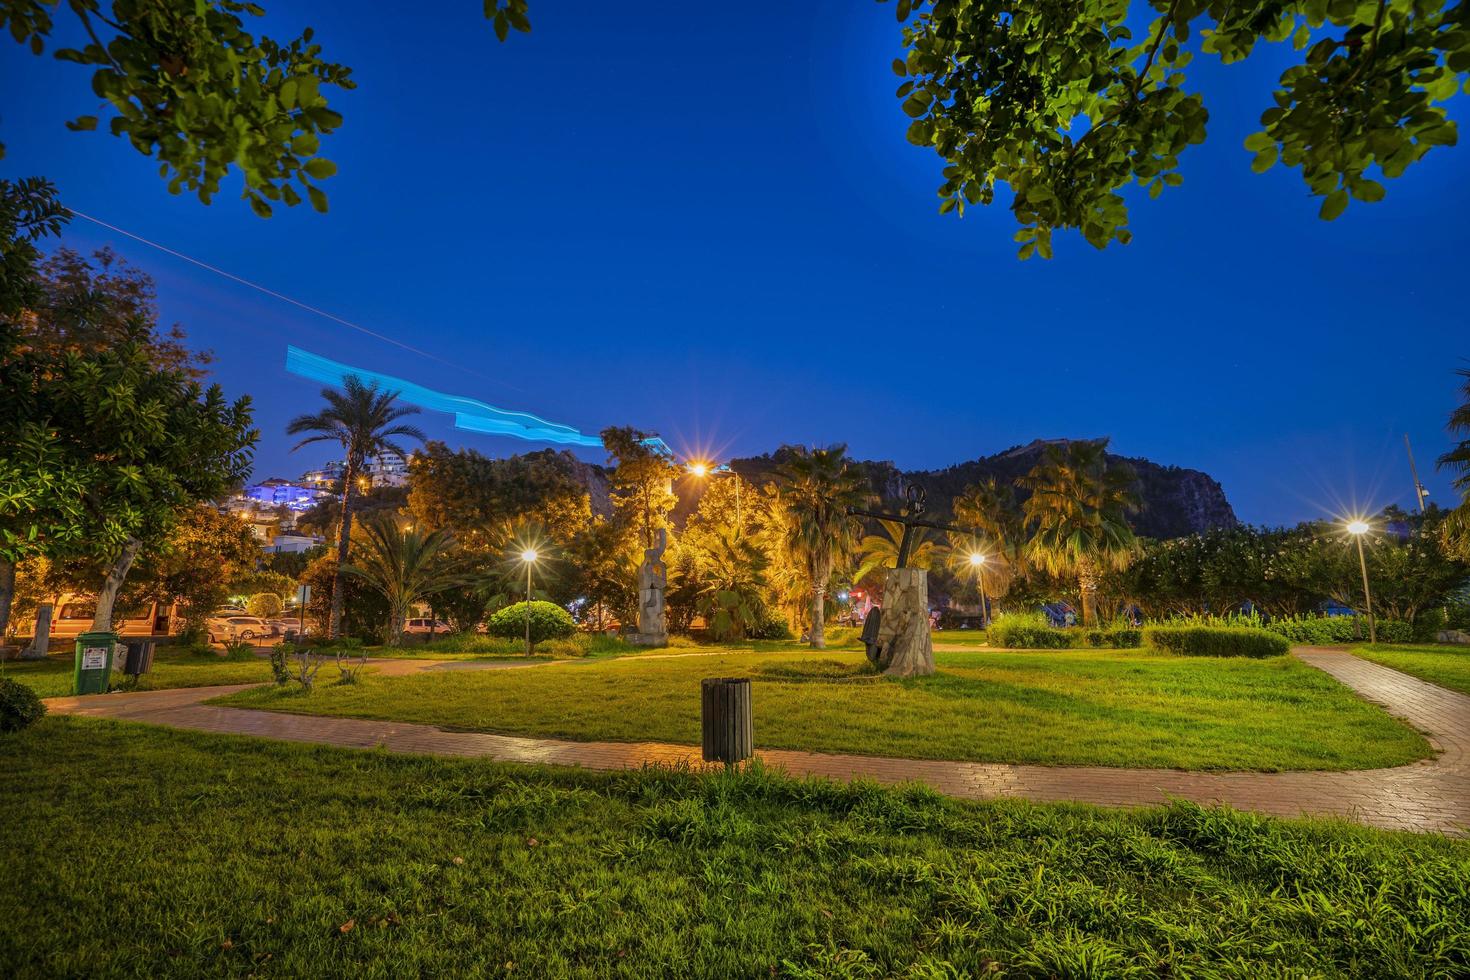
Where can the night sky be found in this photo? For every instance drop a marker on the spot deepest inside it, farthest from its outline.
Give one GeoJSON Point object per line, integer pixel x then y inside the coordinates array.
{"type": "Point", "coordinates": [704, 220]}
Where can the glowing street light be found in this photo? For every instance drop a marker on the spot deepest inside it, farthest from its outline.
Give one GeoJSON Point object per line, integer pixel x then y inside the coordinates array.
{"type": "Point", "coordinates": [528, 556]}
{"type": "Point", "coordinates": [699, 469]}
{"type": "Point", "coordinates": [1357, 528]}
{"type": "Point", "coordinates": [977, 562]}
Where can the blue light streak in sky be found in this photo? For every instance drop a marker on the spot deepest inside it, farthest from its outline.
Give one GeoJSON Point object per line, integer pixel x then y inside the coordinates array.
{"type": "Point", "coordinates": [469, 414]}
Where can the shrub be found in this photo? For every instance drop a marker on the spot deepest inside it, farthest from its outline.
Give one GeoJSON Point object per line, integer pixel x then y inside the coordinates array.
{"type": "Point", "coordinates": [770, 626]}
{"type": "Point", "coordinates": [239, 650]}
{"type": "Point", "coordinates": [267, 605]}
{"type": "Point", "coordinates": [548, 622]}
{"type": "Point", "coordinates": [1027, 631]}
{"type": "Point", "coordinates": [1217, 641]}
{"type": "Point", "coordinates": [1116, 638]}
{"type": "Point", "coordinates": [19, 706]}
{"type": "Point", "coordinates": [280, 663]}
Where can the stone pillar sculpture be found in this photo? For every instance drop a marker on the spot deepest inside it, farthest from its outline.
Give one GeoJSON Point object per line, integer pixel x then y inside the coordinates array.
{"type": "Point", "coordinates": [904, 647]}
{"type": "Point", "coordinates": [653, 579]}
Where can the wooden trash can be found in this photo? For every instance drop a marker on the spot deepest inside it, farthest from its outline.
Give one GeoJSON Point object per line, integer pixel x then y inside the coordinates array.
{"type": "Point", "coordinates": [727, 719]}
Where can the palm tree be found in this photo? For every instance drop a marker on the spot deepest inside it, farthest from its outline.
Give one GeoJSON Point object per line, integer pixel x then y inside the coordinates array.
{"type": "Point", "coordinates": [817, 487]}
{"type": "Point", "coordinates": [1078, 512]}
{"type": "Point", "coordinates": [362, 420]}
{"type": "Point", "coordinates": [1457, 460]}
{"type": "Point", "coordinates": [880, 550]}
{"type": "Point", "coordinates": [731, 584]}
{"type": "Point", "coordinates": [404, 565]}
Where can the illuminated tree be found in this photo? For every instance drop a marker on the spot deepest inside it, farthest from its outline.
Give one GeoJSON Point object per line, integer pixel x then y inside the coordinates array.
{"type": "Point", "coordinates": [1078, 514]}
{"type": "Point", "coordinates": [817, 487]}
{"type": "Point", "coordinates": [404, 566]}
{"type": "Point", "coordinates": [1456, 529]}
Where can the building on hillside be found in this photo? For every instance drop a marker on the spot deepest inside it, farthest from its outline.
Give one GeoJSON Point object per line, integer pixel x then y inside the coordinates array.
{"type": "Point", "coordinates": [387, 470]}
{"type": "Point", "coordinates": [291, 544]}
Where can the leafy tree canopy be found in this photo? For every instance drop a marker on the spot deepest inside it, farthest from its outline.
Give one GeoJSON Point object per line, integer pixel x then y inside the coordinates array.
{"type": "Point", "coordinates": [188, 83]}
{"type": "Point", "coordinates": [1062, 103]}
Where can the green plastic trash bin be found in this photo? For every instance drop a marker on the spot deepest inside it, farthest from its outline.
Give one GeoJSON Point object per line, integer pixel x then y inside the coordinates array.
{"type": "Point", "coordinates": [94, 663]}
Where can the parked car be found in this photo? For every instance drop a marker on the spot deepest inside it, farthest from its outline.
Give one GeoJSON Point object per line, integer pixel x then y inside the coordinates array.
{"type": "Point", "coordinates": [425, 626]}
{"type": "Point", "coordinates": [224, 629]}
{"type": "Point", "coordinates": [283, 624]}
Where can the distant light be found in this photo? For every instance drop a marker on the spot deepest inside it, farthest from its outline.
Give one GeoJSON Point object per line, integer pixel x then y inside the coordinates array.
{"type": "Point", "coordinates": [699, 470]}
{"type": "Point", "coordinates": [529, 555]}
{"type": "Point", "coordinates": [1357, 527]}
{"type": "Point", "coordinates": [977, 560]}
{"type": "Point", "coordinates": [842, 597]}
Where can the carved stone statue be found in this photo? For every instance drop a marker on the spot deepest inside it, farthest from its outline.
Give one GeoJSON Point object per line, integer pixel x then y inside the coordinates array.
{"type": "Point", "coordinates": [653, 580]}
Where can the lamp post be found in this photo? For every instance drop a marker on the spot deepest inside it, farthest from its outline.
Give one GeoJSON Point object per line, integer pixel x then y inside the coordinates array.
{"type": "Point", "coordinates": [529, 557]}
{"type": "Point", "coordinates": [1357, 529]}
{"type": "Point", "coordinates": [977, 562]}
{"type": "Point", "coordinates": [699, 470]}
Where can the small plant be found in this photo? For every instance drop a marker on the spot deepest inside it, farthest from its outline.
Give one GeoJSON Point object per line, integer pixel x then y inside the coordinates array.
{"type": "Point", "coordinates": [281, 664]}
{"type": "Point", "coordinates": [19, 706]}
{"type": "Point", "coordinates": [347, 669]}
{"type": "Point", "coordinates": [239, 650]}
{"type": "Point", "coordinates": [306, 663]}
{"type": "Point", "coordinates": [548, 622]}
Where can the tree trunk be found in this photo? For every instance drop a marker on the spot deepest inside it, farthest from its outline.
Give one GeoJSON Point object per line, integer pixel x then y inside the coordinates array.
{"type": "Point", "coordinates": [7, 594]}
{"type": "Point", "coordinates": [819, 618]}
{"type": "Point", "coordinates": [41, 638]}
{"type": "Point", "coordinates": [905, 648]}
{"type": "Point", "coordinates": [1087, 585]}
{"type": "Point", "coordinates": [396, 614]}
{"type": "Point", "coordinates": [334, 619]}
{"type": "Point", "coordinates": [107, 595]}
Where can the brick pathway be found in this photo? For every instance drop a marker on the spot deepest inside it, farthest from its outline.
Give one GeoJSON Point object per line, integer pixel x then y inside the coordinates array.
{"type": "Point", "coordinates": [1433, 795]}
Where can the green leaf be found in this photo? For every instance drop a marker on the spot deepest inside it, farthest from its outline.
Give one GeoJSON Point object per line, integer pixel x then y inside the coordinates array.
{"type": "Point", "coordinates": [1370, 191]}
{"type": "Point", "coordinates": [1335, 204]}
{"type": "Point", "coordinates": [320, 169]}
{"type": "Point", "coordinates": [899, 68]}
{"type": "Point", "coordinates": [259, 206]}
{"type": "Point", "coordinates": [82, 124]}
{"type": "Point", "coordinates": [1264, 160]}
{"type": "Point", "coordinates": [1256, 142]}
{"type": "Point", "coordinates": [318, 199]}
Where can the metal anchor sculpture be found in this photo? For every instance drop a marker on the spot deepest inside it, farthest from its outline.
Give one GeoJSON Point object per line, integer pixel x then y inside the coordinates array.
{"type": "Point", "coordinates": [915, 496]}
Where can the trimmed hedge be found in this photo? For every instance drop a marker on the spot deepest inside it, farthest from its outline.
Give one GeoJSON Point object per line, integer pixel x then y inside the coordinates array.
{"type": "Point", "coordinates": [20, 707]}
{"type": "Point", "coordinates": [1033, 632]}
{"type": "Point", "coordinates": [548, 622]}
{"type": "Point", "coordinates": [1216, 641]}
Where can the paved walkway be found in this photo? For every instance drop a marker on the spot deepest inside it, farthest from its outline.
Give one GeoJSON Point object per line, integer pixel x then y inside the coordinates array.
{"type": "Point", "coordinates": [1433, 795]}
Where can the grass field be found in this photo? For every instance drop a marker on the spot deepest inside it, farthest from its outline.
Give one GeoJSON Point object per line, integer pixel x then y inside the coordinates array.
{"type": "Point", "coordinates": [1447, 666]}
{"type": "Point", "coordinates": [1113, 708]}
{"type": "Point", "coordinates": [52, 677]}
{"type": "Point", "coordinates": [140, 851]}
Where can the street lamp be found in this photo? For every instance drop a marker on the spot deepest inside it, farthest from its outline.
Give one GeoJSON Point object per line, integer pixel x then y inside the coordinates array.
{"type": "Point", "coordinates": [529, 557]}
{"type": "Point", "coordinates": [977, 562]}
{"type": "Point", "coordinates": [700, 469]}
{"type": "Point", "coordinates": [1358, 528]}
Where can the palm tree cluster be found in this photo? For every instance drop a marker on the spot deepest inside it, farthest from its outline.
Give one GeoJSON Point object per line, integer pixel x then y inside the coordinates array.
{"type": "Point", "coordinates": [779, 558]}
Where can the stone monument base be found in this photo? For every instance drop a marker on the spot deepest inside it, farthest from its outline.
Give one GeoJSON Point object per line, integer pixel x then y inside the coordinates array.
{"type": "Point", "coordinates": [904, 647]}
{"type": "Point", "coordinates": [648, 639]}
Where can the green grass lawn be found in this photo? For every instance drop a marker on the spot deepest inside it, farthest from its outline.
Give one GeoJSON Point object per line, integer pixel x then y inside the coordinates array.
{"type": "Point", "coordinates": [1447, 666]}
{"type": "Point", "coordinates": [1082, 707]}
{"type": "Point", "coordinates": [140, 851]}
{"type": "Point", "coordinates": [52, 677]}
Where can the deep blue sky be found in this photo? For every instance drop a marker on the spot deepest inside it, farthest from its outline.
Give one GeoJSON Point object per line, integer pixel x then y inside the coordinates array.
{"type": "Point", "coordinates": [703, 219]}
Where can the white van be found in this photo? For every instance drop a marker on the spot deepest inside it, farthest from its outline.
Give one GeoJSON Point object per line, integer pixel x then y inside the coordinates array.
{"type": "Point", "coordinates": [73, 616]}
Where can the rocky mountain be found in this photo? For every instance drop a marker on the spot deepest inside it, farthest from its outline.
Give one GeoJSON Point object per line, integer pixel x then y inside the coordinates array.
{"type": "Point", "coordinates": [1176, 501]}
